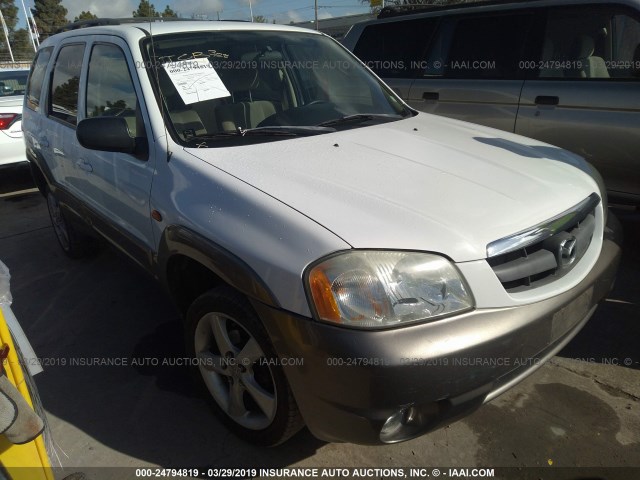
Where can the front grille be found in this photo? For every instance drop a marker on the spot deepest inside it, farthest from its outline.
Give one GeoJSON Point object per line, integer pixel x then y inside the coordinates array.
{"type": "Point", "coordinates": [545, 252]}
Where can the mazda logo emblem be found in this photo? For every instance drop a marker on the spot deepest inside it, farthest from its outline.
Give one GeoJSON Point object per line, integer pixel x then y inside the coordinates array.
{"type": "Point", "coordinates": [567, 251]}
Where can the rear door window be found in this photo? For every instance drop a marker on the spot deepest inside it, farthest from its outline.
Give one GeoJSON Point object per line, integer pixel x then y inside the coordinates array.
{"type": "Point", "coordinates": [625, 34]}
{"type": "Point", "coordinates": [591, 43]}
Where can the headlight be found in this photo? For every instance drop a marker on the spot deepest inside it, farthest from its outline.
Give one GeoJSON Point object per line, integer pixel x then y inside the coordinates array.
{"type": "Point", "coordinates": [370, 289]}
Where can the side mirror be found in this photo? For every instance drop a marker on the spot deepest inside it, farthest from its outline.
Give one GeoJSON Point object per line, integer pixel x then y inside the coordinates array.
{"type": "Point", "coordinates": [109, 134]}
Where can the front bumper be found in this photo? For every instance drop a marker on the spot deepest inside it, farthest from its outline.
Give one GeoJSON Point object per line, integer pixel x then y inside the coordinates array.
{"type": "Point", "coordinates": [348, 383]}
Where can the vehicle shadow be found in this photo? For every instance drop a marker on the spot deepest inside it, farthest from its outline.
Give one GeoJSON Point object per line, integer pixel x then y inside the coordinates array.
{"type": "Point", "coordinates": [15, 178]}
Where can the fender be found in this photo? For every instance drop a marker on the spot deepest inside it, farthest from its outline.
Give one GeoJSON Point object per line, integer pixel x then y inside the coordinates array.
{"type": "Point", "coordinates": [39, 171]}
{"type": "Point", "coordinates": [179, 240]}
{"type": "Point", "coordinates": [44, 180]}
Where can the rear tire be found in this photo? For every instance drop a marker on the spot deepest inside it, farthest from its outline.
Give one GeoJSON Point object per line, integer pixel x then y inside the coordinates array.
{"type": "Point", "coordinates": [73, 243]}
{"type": "Point", "coordinates": [237, 367]}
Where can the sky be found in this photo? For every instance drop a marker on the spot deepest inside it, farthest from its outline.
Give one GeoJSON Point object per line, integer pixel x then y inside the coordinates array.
{"type": "Point", "coordinates": [283, 11]}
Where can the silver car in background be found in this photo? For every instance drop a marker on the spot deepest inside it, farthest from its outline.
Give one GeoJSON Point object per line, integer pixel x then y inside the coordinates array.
{"type": "Point", "coordinates": [563, 72]}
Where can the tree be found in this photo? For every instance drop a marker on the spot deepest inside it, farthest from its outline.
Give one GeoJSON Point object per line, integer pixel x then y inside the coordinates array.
{"type": "Point", "coordinates": [50, 15]}
{"type": "Point", "coordinates": [10, 13]}
{"type": "Point", "coordinates": [146, 9]}
{"type": "Point", "coordinates": [259, 19]}
{"type": "Point", "coordinates": [169, 13]}
{"type": "Point", "coordinates": [85, 16]}
{"type": "Point", "coordinates": [412, 3]}
{"type": "Point", "coordinates": [66, 94]}
{"type": "Point", "coordinates": [21, 45]}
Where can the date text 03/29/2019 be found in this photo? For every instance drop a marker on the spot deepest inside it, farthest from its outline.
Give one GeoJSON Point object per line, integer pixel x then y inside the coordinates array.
{"type": "Point", "coordinates": [304, 473]}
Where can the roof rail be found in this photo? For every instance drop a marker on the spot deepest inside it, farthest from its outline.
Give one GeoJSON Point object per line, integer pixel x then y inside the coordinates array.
{"type": "Point", "coordinates": [436, 5]}
{"type": "Point", "coordinates": [97, 22]}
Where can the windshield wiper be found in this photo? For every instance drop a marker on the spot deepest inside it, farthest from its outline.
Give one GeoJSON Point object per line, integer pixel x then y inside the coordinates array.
{"type": "Point", "coordinates": [360, 118]}
{"type": "Point", "coordinates": [276, 130]}
{"type": "Point", "coordinates": [287, 130]}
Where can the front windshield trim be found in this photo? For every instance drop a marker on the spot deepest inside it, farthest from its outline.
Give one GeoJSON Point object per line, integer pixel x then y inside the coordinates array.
{"type": "Point", "coordinates": [285, 91]}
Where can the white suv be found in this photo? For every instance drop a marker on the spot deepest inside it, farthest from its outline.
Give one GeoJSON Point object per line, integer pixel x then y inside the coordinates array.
{"type": "Point", "coordinates": [340, 259]}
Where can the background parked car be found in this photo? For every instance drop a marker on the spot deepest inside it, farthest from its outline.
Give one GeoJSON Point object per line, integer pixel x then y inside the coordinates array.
{"type": "Point", "coordinates": [12, 86]}
{"type": "Point", "coordinates": [566, 73]}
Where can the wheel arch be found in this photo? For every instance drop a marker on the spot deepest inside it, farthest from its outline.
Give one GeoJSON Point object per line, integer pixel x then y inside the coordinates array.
{"type": "Point", "coordinates": [39, 172]}
{"type": "Point", "coordinates": [190, 264]}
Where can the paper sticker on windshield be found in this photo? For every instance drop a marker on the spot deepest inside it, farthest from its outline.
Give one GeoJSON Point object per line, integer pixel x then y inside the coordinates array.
{"type": "Point", "coordinates": [196, 80]}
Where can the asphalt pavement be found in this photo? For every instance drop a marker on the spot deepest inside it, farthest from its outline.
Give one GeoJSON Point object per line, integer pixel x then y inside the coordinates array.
{"type": "Point", "coordinates": [581, 410]}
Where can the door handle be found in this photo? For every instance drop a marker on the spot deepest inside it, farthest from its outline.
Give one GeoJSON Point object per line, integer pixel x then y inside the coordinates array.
{"type": "Point", "coordinates": [81, 164]}
{"type": "Point", "coordinates": [546, 100]}
{"type": "Point", "coordinates": [430, 96]}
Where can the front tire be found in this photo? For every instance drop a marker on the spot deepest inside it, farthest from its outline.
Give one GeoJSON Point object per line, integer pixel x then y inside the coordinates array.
{"type": "Point", "coordinates": [238, 368]}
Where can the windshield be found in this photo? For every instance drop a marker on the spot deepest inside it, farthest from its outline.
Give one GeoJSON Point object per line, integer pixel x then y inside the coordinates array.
{"type": "Point", "coordinates": [226, 86]}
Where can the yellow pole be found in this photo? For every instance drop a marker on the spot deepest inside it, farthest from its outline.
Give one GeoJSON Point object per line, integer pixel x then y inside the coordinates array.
{"type": "Point", "coordinates": [31, 454]}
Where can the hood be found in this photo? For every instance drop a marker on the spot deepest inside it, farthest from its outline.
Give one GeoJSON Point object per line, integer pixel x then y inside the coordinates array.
{"type": "Point", "coordinates": [426, 183]}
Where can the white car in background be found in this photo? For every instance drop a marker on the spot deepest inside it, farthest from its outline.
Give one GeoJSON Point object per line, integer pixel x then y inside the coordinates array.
{"type": "Point", "coordinates": [13, 83]}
